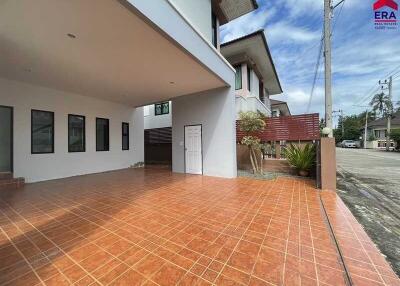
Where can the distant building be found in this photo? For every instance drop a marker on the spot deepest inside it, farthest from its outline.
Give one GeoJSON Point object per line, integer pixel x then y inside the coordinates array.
{"type": "Point", "coordinates": [376, 132]}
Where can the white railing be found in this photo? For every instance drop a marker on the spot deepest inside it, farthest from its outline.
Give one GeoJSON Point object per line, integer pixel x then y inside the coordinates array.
{"type": "Point", "coordinates": [251, 103]}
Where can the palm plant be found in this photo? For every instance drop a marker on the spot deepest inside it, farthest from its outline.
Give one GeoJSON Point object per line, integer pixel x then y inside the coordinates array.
{"type": "Point", "coordinates": [382, 103]}
{"type": "Point", "coordinates": [301, 158]}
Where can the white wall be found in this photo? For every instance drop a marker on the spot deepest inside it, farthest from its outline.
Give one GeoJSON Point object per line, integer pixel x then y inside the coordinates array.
{"type": "Point", "coordinates": [152, 121]}
{"type": "Point", "coordinates": [215, 110]}
{"type": "Point", "coordinates": [198, 13]}
{"type": "Point", "coordinates": [36, 167]}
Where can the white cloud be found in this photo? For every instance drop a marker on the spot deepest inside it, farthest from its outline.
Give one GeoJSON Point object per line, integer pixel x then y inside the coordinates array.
{"type": "Point", "coordinates": [361, 55]}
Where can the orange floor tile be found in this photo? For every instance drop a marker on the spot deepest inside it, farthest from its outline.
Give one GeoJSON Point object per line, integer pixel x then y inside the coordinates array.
{"type": "Point", "coordinates": [152, 227]}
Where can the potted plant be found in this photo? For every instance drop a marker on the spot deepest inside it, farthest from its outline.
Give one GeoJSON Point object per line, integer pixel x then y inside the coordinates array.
{"type": "Point", "coordinates": [301, 158]}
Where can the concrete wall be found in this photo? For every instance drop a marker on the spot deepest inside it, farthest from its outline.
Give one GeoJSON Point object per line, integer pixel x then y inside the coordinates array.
{"type": "Point", "coordinates": [215, 110]}
{"type": "Point", "coordinates": [152, 121]}
{"type": "Point", "coordinates": [36, 167]}
{"type": "Point", "coordinates": [198, 13]}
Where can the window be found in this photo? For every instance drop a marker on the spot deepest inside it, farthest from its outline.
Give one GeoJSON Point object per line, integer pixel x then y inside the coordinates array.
{"type": "Point", "coordinates": [76, 133]}
{"type": "Point", "coordinates": [161, 108]}
{"type": "Point", "coordinates": [42, 132]}
{"type": "Point", "coordinates": [214, 30]}
{"type": "Point", "coordinates": [102, 134]}
{"type": "Point", "coordinates": [238, 77]}
{"type": "Point", "coordinates": [125, 136]}
{"type": "Point", "coordinates": [248, 78]}
{"type": "Point", "coordinates": [261, 92]}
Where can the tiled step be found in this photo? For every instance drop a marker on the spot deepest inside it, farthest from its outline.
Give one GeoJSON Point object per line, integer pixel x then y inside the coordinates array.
{"type": "Point", "coordinates": [11, 183]}
{"type": "Point", "coordinates": [6, 175]}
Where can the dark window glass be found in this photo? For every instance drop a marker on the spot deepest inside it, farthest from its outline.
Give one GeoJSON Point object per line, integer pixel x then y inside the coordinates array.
{"type": "Point", "coordinates": [125, 136]}
{"type": "Point", "coordinates": [214, 30]}
{"type": "Point", "coordinates": [261, 92]}
{"type": "Point", "coordinates": [238, 77]}
{"type": "Point", "coordinates": [248, 78]}
{"type": "Point", "coordinates": [102, 134]}
{"type": "Point", "coordinates": [42, 136]}
{"type": "Point", "coordinates": [161, 108]}
{"type": "Point", "coordinates": [76, 133]}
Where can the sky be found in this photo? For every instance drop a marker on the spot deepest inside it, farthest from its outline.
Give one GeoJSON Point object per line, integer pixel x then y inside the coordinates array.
{"type": "Point", "coordinates": [361, 55]}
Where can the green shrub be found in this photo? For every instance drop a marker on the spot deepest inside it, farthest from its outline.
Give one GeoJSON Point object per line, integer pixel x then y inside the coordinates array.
{"type": "Point", "coordinates": [301, 158]}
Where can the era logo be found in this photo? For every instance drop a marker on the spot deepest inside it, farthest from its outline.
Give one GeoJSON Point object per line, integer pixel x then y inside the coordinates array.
{"type": "Point", "coordinates": [385, 14]}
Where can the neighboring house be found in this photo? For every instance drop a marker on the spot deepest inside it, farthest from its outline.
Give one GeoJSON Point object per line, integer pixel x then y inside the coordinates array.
{"type": "Point", "coordinates": [279, 108]}
{"type": "Point", "coordinates": [256, 78]}
{"type": "Point", "coordinates": [377, 130]}
{"type": "Point", "coordinates": [73, 85]}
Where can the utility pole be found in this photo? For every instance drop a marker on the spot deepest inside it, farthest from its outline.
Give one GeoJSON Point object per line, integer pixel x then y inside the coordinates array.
{"type": "Point", "coordinates": [389, 123]}
{"type": "Point", "coordinates": [389, 111]}
{"type": "Point", "coordinates": [328, 72]}
{"type": "Point", "coordinates": [365, 129]}
{"type": "Point", "coordinates": [341, 115]}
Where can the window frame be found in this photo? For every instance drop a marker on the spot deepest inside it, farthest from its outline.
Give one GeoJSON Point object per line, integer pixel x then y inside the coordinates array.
{"type": "Point", "coordinates": [108, 133]}
{"type": "Point", "coordinates": [53, 129]}
{"type": "Point", "coordinates": [84, 133]}
{"type": "Point", "coordinates": [126, 135]}
{"type": "Point", "coordinates": [238, 72]}
{"type": "Point", "coordinates": [161, 104]}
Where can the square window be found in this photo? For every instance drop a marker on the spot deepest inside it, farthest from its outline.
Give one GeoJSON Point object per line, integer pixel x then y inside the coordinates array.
{"type": "Point", "coordinates": [161, 108]}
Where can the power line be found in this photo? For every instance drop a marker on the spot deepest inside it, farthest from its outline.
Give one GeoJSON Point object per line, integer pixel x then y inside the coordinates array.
{"type": "Point", "coordinates": [338, 16]}
{"type": "Point", "coordinates": [316, 71]}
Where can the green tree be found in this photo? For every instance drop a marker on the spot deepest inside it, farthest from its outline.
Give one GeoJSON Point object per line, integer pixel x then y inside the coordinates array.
{"type": "Point", "coordinates": [395, 135]}
{"type": "Point", "coordinates": [252, 123]}
{"type": "Point", "coordinates": [382, 103]}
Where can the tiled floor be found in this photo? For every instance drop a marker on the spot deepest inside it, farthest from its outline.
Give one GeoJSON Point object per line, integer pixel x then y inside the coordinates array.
{"type": "Point", "coordinates": [152, 227]}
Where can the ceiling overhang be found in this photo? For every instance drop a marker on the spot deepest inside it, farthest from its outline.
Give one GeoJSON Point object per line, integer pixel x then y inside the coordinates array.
{"type": "Point", "coordinates": [99, 48]}
{"type": "Point", "coordinates": [254, 50]}
{"type": "Point", "coordinates": [228, 10]}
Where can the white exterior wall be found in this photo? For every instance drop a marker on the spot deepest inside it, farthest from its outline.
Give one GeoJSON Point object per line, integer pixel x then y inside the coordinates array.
{"type": "Point", "coordinates": [152, 121]}
{"type": "Point", "coordinates": [249, 100]}
{"type": "Point", "coordinates": [198, 13]}
{"type": "Point", "coordinates": [215, 111]}
{"type": "Point", "coordinates": [37, 167]}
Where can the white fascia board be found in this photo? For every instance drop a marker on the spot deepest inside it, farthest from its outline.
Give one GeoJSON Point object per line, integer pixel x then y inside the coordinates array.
{"type": "Point", "coordinates": [166, 17]}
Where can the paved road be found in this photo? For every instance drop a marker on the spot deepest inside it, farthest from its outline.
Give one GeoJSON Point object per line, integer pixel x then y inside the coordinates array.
{"type": "Point", "coordinates": [369, 184]}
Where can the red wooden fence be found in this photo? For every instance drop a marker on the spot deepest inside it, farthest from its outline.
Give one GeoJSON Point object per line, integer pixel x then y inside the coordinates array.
{"type": "Point", "coordinates": [303, 127]}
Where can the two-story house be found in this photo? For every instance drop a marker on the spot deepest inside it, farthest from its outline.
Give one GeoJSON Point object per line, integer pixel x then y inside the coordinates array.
{"type": "Point", "coordinates": [75, 75]}
{"type": "Point", "coordinates": [256, 78]}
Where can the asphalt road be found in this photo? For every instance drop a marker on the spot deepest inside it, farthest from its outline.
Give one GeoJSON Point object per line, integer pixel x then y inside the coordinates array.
{"type": "Point", "coordinates": [369, 184]}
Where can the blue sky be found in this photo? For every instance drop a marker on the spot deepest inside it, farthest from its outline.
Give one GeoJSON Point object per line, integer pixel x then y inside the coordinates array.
{"type": "Point", "coordinates": [361, 55]}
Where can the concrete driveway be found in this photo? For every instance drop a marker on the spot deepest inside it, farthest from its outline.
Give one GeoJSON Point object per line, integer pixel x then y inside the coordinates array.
{"type": "Point", "coordinates": [369, 184]}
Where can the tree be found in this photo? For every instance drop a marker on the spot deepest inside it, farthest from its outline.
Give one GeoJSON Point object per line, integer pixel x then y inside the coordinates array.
{"type": "Point", "coordinates": [382, 103]}
{"type": "Point", "coordinates": [252, 123]}
{"type": "Point", "coordinates": [395, 135]}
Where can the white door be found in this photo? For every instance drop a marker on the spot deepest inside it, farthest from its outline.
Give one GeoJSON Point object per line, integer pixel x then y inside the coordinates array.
{"type": "Point", "coordinates": [193, 152]}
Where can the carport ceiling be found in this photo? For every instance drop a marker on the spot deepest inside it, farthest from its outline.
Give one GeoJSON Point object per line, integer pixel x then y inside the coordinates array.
{"type": "Point", "coordinates": [95, 48]}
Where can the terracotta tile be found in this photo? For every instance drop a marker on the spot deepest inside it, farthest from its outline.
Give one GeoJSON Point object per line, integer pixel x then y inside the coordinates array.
{"type": "Point", "coordinates": [242, 261]}
{"type": "Point", "coordinates": [144, 218]}
{"type": "Point", "coordinates": [149, 265]}
{"type": "Point", "coordinates": [169, 274]}
{"type": "Point", "coordinates": [129, 277]}
{"type": "Point", "coordinates": [235, 275]}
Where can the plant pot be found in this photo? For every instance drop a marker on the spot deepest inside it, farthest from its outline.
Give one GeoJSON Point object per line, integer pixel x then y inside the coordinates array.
{"type": "Point", "coordinates": [303, 173]}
